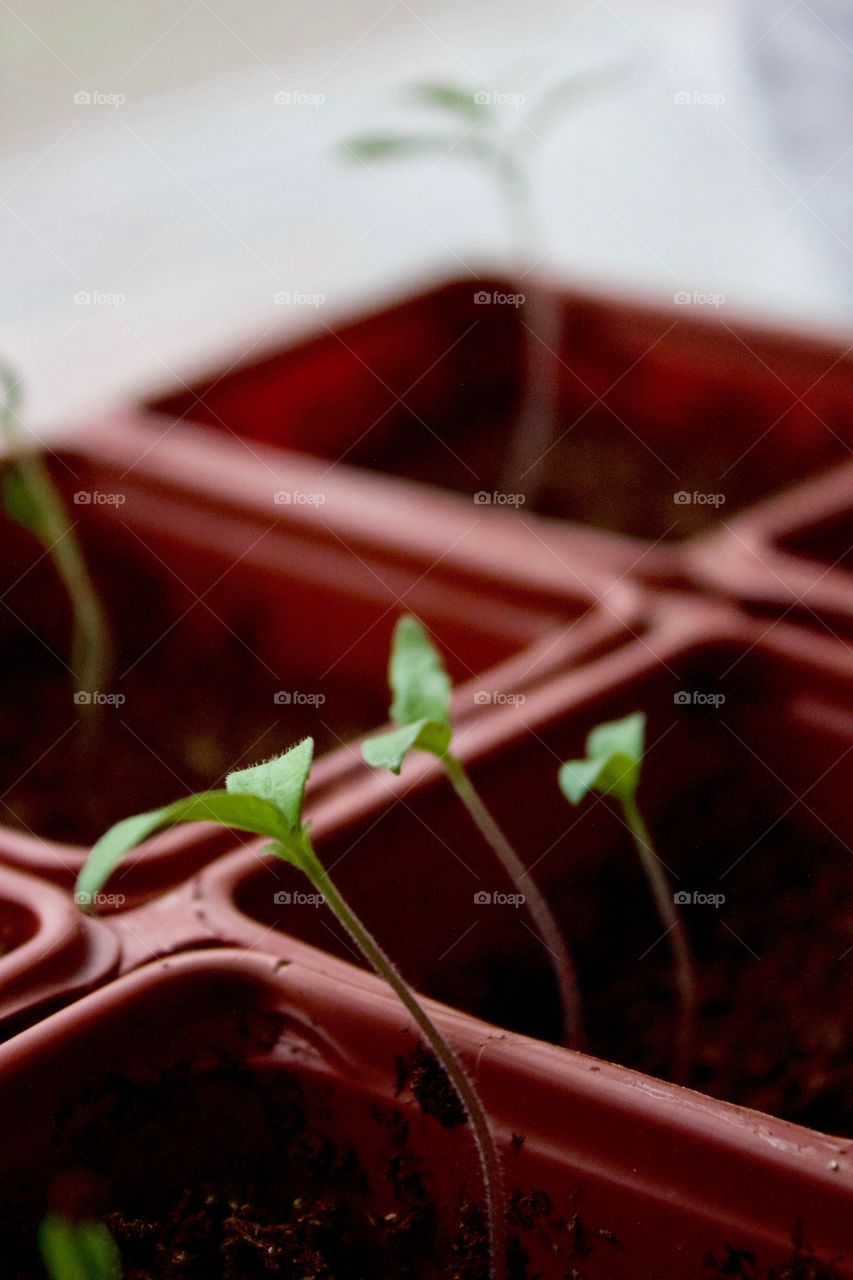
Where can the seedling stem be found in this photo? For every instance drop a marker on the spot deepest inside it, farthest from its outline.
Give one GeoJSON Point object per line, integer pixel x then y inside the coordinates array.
{"type": "Point", "coordinates": [612, 766]}
{"type": "Point", "coordinates": [266, 800]}
{"type": "Point", "coordinates": [36, 504]}
{"type": "Point", "coordinates": [421, 710]}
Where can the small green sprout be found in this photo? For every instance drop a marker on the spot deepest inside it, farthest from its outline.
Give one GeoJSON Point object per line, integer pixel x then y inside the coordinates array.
{"type": "Point", "coordinates": [266, 800]}
{"type": "Point", "coordinates": [78, 1250]}
{"type": "Point", "coordinates": [31, 500]}
{"type": "Point", "coordinates": [475, 126]}
{"type": "Point", "coordinates": [612, 766]}
{"type": "Point", "coordinates": [421, 689]}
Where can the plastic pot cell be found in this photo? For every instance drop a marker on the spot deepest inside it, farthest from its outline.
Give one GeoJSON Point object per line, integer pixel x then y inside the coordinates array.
{"type": "Point", "coordinates": [232, 636]}
{"type": "Point", "coordinates": [670, 418]}
{"type": "Point", "coordinates": [240, 1113]}
{"type": "Point", "coordinates": [791, 555]}
{"type": "Point", "coordinates": [745, 787]}
{"type": "Point", "coordinates": [49, 954]}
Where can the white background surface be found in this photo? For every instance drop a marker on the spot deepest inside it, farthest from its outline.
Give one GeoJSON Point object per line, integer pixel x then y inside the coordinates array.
{"type": "Point", "coordinates": [198, 197]}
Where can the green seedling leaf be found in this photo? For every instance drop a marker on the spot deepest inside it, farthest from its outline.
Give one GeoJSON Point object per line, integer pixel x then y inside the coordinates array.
{"type": "Point", "coordinates": [281, 781]}
{"type": "Point", "coordinates": [421, 691]}
{"type": "Point", "coordinates": [417, 675]}
{"type": "Point", "coordinates": [455, 98]}
{"type": "Point", "coordinates": [242, 812]}
{"type": "Point", "coordinates": [19, 503]}
{"type": "Point", "coordinates": [389, 750]}
{"type": "Point", "coordinates": [78, 1250]}
{"type": "Point", "coordinates": [393, 146]}
{"type": "Point", "coordinates": [612, 764]}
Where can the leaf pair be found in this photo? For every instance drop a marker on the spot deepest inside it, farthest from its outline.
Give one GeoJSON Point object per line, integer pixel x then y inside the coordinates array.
{"type": "Point", "coordinates": [421, 691]}
{"type": "Point", "coordinates": [474, 110]}
{"type": "Point", "coordinates": [265, 800]}
{"type": "Point", "coordinates": [614, 756]}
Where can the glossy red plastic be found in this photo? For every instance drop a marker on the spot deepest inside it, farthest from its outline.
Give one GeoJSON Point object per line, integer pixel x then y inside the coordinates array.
{"type": "Point", "coordinates": [49, 952]}
{"type": "Point", "coordinates": [792, 555]}
{"type": "Point", "coordinates": [672, 418]}
{"type": "Point", "coordinates": [624, 1179]}
{"type": "Point", "coordinates": [305, 607]}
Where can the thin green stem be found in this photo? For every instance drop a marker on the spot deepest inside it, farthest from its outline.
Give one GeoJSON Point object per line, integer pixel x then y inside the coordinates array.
{"type": "Point", "coordinates": [549, 931]}
{"type": "Point", "coordinates": [89, 631]}
{"type": "Point", "coordinates": [467, 1094]}
{"type": "Point", "coordinates": [685, 972]}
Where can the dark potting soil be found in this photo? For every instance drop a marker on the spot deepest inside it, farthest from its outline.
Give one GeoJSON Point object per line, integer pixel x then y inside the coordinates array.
{"type": "Point", "coordinates": [600, 472]}
{"type": "Point", "coordinates": [243, 1175]}
{"type": "Point", "coordinates": [775, 1029]}
{"type": "Point", "coordinates": [199, 698]}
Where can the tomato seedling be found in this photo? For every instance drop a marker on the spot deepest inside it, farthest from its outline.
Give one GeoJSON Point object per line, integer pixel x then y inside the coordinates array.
{"type": "Point", "coordinates": [266, 800]}
{"type": "Point", "coordinates": [612, 767]}
{"type": "Point", "coordinates": [498, 133]}
{"type": "Point", "coordinates": [421, 689]}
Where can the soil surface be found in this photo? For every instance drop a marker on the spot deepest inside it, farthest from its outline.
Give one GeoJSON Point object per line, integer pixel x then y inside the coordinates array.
{"type": "Point", "coordinates": [601, 472]}
{"type": "Point", "coordinates": [775, 1029]}
{"type": "Point", "coordinates": [235, 1174]}
{"type": "Point", "coordinates": [199, 699]}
